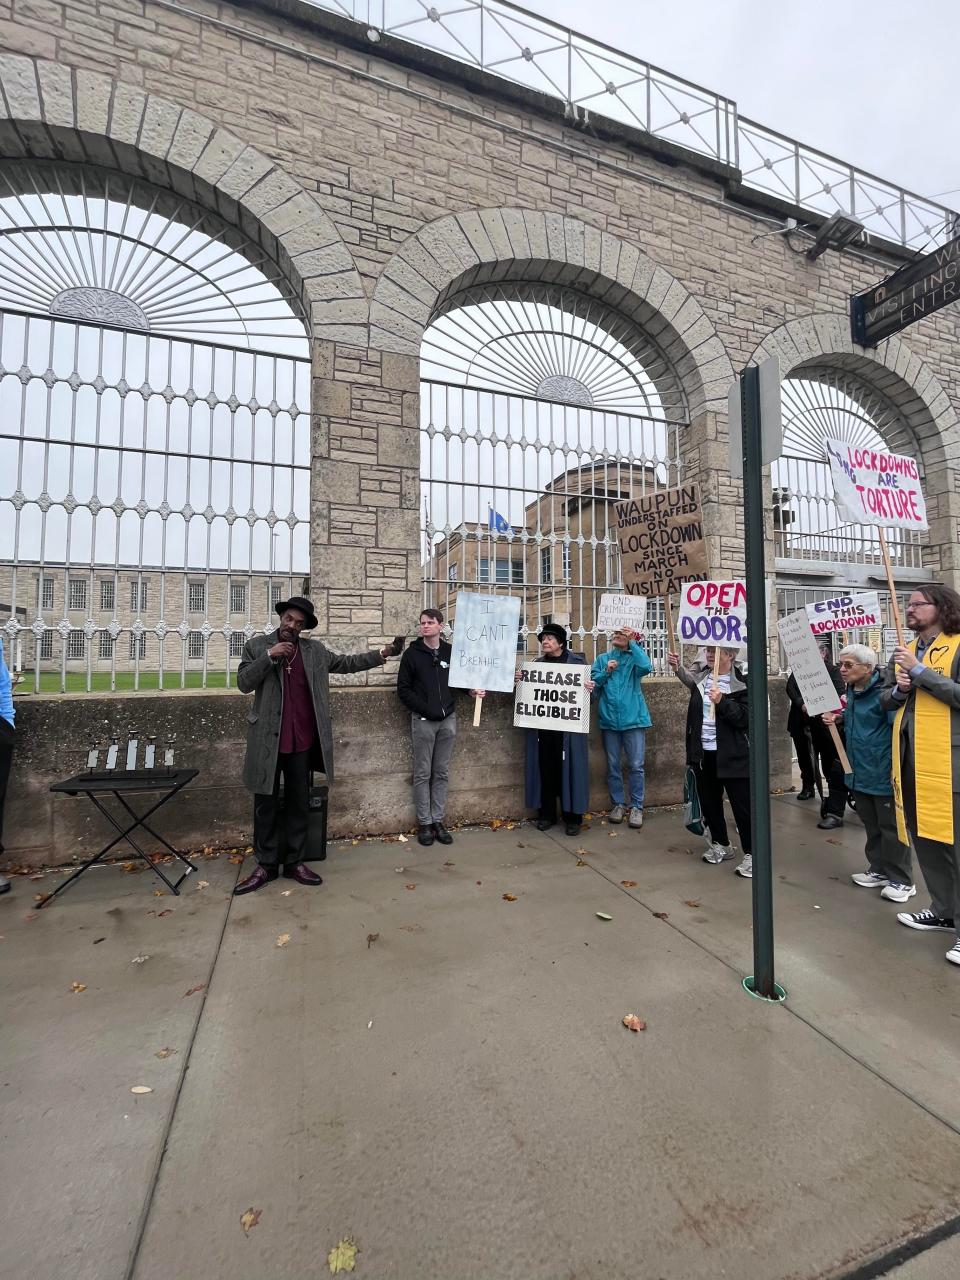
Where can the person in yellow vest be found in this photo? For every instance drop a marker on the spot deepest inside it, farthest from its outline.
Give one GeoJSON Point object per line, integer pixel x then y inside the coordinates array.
{"type": "Point", "coordinates": [923, 687]}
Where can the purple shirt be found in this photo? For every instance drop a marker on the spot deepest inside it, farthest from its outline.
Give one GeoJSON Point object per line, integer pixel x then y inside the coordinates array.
{"type": "Point", "coordinates": [298, 726]}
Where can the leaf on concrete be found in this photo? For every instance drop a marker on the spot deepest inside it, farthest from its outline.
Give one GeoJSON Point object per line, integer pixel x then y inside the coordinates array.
{"type": "Point", "coordinates": [371, 939]}
{"type": "Point", "coordinates": [282, 939]}
{"type": "Point", "coordinates": [236, 858]}
{"type": "Point", "coordinates": [409, 886]}
{"type": "Point", "coordinates": [141, 1088]}
{"type": "Point", "coordinates": [449, 864]}
{"type": "Point", "coordinates": [140, 959]}
{"type": "Point", "coordinates": [479, 882]}
{"type": "Point", "coordinates": [285, 893]}
{"type": "Point", "coordinates": [633, 1023]}
{"type": "Point", "coordinates": [77, 987]}
{"type": "Point", "coordinates": [520, 846]}
{"type": "Point", "coordinates": [509, 897]}
{"type": "Point", "coordinates": [496, 824]}
{"type": "Point", "coordinates": [580, 863]}
{"type": "Point", "coordinates": [602, 915]}
{"type": "Point", "coordinates": [629, 884]}
{"type": "Point", "coordinates": [660, 915]}
{"type": "Point", "coordinates": [830, 840]}
{"type": "Point", "coordinates": [612, 835]}
{"type": "Point", "coordinates": [32, 915]}
{"type": "Point", "coordinates": [203, 884]}
{"type": "Point", "coordinates": [510, 826]}
{"type": "Point", "coordinates": [168, 911]}
{"type": "Point", "coordinates": [343, 1256]}
{"type": "Point", "coordinates": [581, 853]}
{"type": "Point", "coordinates": [249, 1220]}
{"type": "Point", "coordinates": [96, 940]}
{"type": "Point", "coordinates": [164, 1053]}
{"type": "Point", "coordinates": [691, 902]}
{"type": "Point", "coordinates": [399, 870]}
{"type": "Point", "coordinates": [193, 990]}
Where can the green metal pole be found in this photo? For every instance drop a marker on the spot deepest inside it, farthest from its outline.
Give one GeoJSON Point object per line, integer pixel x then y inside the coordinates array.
{"type": "Point", "coordinates": [762, 884]}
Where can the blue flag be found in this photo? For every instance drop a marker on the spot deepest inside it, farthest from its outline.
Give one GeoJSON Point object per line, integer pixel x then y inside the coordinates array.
{"type": "Point", "coordinates": [497, 522]}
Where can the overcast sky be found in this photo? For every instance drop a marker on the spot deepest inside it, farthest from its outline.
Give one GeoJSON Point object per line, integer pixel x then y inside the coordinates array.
{"type": "Point", "coordinates": [873, 84]}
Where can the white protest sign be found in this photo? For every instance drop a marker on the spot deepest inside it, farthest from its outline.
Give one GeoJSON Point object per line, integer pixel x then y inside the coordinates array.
{"type": "Point", "coordinates": [807, 665]}
{"type": "Point", "coordinates": [889, 642]}
{"type": "Point", "coordinates": [845, 613]}
{"type": "Point", "coordinates": [713, 613]}
{"type": "Point", "coordinates": [875, 487]}
{"type": "Point", "coordinates": [552, 695]}
{"type": "Point", "coordinates": [484, 642]}
{"type": "Point", "coordinates": [621, 611]}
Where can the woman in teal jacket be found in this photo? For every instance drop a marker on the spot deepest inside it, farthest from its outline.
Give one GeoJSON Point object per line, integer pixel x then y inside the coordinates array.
{"type": "Point", "coordinates": [869, 737]}
{"type": "Point", "coordinates": [624, 719]}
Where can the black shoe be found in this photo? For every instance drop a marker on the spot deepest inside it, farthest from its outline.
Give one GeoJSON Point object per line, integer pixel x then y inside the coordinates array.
{"type": "Point", "coordinates": [442, 834]}
{"type": "Point", "coordinates": [806, 794]}
{"type": "Point", "coordinates": [572, 828]}
{"type": "Point", "coordinates": [544, 824]}
{"type": "Point", "coordinates": [830, 822]}
{"type": "Point", "coordinates": [425, 836]}
{"type": "Point", "coordinates": [259, 877]}
{"type": "Point", "coordinates": [300, 872]}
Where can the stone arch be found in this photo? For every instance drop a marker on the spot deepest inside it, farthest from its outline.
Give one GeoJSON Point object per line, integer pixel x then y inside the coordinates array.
{"type": "Point", "coordinates": [50, 111]}
{"type": "Point", "coordinates": [459, 251]}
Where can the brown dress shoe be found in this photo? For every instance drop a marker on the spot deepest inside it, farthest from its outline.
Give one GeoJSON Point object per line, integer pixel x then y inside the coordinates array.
{"type": "Point", "coordinates": [302, 874]}
{"type": "Point", "coordinates": [256, 880]}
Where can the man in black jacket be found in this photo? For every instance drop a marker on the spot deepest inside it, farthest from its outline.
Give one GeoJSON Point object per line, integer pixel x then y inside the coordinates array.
{"type": "Point", "coordinates": [833, 806]}
{"type": "Point", "coordinates": [423, 688]}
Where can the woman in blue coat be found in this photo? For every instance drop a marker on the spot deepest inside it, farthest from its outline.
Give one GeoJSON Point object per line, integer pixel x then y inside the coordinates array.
{"type": "Point", "coordinates": [624, 719]}
{"type": "Point", "coordinates": [557, 763]}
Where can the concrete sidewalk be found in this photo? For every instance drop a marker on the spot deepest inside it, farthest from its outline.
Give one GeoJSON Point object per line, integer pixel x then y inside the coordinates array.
{"type": "Point", "coordinates": [459, 1095]}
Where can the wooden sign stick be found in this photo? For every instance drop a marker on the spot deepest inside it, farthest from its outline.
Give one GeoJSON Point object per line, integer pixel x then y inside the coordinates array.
{"type": "Point", "coordinates": [477, 708]}
{"type": "Point", "coordinates": [838, 743]}
{"type": "Point", "coordinates": [671, 634]}
{"type": "Point", "coordinates": [893, 591]}
{"type": "Point", "coordinates": [716, 677]}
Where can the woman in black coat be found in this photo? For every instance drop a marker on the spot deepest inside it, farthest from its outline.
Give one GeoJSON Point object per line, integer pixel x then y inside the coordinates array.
{"type": "Point", "coordinates": [718, 749]}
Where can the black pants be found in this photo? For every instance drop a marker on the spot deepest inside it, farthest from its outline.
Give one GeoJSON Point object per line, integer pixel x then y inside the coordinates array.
{"type": "Point", "coordinates": [804, 749]}
{"type": "Point", "coordinates": [294, 767]}
{"type": "Point", "coordinates": [884, 851]}
{"type": "Point", "coordinates": [831, 768]}
{"type": "Point", "coordinates": [710, 789]}
{"type": "Point", "coordinates": [550, 752]}
{"type": "Point", "coordinates": [7, 739]}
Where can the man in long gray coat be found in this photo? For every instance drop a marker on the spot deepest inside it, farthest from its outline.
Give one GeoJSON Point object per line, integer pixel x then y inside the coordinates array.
{"type": "Point", "coordinates": [289, 734]}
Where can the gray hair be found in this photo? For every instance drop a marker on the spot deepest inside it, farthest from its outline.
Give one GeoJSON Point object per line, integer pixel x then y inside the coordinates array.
{"type": "Point", "coordinates": [860, 653]}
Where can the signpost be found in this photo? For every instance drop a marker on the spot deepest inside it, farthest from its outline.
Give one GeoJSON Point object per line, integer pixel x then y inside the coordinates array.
{"type": "Point", "coordinates": [617, 611]}
{"type": "Point", "coordinates": [915, 291]}
{"type": "Point", "coordinates": [552, 695]}
{"type": "Point", "coordinates": [484, 645]}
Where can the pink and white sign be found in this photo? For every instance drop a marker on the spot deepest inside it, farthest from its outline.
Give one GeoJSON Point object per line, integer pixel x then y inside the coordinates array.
{"type": "Point", "coordinates": [872, 486]}
{"type": "Point", "coordinates": [713, 613]}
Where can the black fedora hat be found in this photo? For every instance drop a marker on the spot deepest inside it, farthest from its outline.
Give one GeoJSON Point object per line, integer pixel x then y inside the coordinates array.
{"type": "Point", "coordinates": [553, 629]}
{"type": "Point", "coordinates": [301, 603]}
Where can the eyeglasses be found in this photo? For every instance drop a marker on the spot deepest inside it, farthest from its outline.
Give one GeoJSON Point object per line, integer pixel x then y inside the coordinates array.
{"type": "Point", "coordinates": [920, 604]}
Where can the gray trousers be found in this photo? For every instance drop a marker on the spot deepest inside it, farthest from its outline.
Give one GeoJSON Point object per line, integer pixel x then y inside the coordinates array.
{"type": "Point", "coordinates": [884, 851]}
{"type": "Point", "coordinates": [940, 863]}
{"type": "Point", "coordinates": [432, 745]}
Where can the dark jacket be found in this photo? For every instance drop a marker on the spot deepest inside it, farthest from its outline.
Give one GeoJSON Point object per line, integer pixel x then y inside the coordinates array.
{"type": "Point", "coordinates": [733, 745]}
{"type": "Point", "coordinates": [423, 680]}
{"type": "Point", "coordinates": [868, 728]}
{"type": "Point", "coordinates": [575, 797]}
{"type": "Point", "coordinates": [259, 674]}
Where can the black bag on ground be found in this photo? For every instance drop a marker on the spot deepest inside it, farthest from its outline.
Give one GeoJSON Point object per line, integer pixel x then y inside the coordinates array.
{"type": "Point", "coordinates": [692, 813]}
{"type": "Point", "coordinates": [316, 848]}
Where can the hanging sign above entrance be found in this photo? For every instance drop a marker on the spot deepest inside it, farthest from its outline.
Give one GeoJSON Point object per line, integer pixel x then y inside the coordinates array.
{"type": "Point", "coordinates": [916, 291]}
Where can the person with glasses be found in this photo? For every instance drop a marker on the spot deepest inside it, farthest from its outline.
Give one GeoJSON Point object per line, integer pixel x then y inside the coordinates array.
{"type": "Point", "coordinates": [923, 686]}
{"type": "Point", "coordinates": [868, 730]}
{"type": "Point", "coordinates": [423, 686]}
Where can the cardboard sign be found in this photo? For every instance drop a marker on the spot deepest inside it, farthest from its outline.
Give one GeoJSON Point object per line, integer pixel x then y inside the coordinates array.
{"type": "Point", "coordinates": [552, 695]}
{"type": "Point", "coordinates": [661, 540]}
{"type": "Point", "coordinates": [484, 642]}
{"type": "Point", "coordinates": [874, 487]}
{"type": "Point", "coordinates": [621, 611]}
{"type": "Point", "coordinates": [713, 613]}
{"type": "Point", "coordinates": [845, 613]}
{"type": "Point", "coordinates": [804, 660]}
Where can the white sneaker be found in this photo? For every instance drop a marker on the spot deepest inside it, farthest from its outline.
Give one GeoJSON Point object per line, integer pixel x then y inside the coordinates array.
{"type": "Point", "coordinates": [953, 955]}
{"type": "Point", "coordinates": [898, 892]}
{"type": "Point", "coordinates": [871, 880]}
{"type": "Point", "coordinates": [745, 868]}
{"type": "Point", "coordinates": [615, 814]}
{"type": "Point", "coordinates": [636, 818]}
{"type": "Point", "coordinates": [719, 853]}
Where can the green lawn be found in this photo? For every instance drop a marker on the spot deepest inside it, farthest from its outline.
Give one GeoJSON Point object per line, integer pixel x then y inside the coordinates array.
{"type": "Point", "coordinates": [76, 681]}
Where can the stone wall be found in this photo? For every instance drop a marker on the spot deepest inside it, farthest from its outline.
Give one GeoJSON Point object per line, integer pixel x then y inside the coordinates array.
{"type": "Point", "coordinates": [372, 794]}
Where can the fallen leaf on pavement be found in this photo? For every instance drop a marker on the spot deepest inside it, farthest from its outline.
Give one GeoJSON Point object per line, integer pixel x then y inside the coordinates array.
{"type": "Point", "coordinates": [612, 835]}
{"type": "Point", "coordinates": [343, 1256]}
{"type": "Point", "coordinates": [32, 915]}
{"type": "Point", "coordinates": [580, 863]}
{"type": "Point", "coordinates": [249, 1220]}
{"type": "Point", "coordinates": [830, 840]}
{"type": "Point", "coordinates": [520, 846]}
{"type": "Point", "coordinates": [236, 858]}
{"type": "Point", "coordinates": [510, 826]}
{"type": "Point", "coordinates": [399, 869]}
{"type": "Point", "coordinates": [629, 884]}
{"type": "Point", "coordinates": [158, 893]}
{"type": "Point", "coordinates": [354, 841]}
{"type": "Point", "coordinates": [77, 987]}
{"type": "Point", "coordinates": [581, 853]}
{"type": "Point", "coordinates": [141, 1088]}
{"type": "Point", "coordinates": [509, 897]}
{"type": "Point", "coordinates": [167, 912]}
{"type": "Point", "coordinates": [282, 939]}
{"type": "Point", "coordinates": [449, 864]}
{"type": "Point", "coordinates": [479, 882]}
{"type": "Point", "coordinates": [660, 915]}
{"type": "Point", "coordinates": [96, 940]}
{"type": "Point", "coordinates": [164, 1053]}
{"type": "Point", "coordinates": [285, 893]}
{"type": "Point", "coordinates": [496, 824]}
{"type": "Point", "coordinates": [602, 915]}
{"type": "Point", "coordinates": [409, 886]}
{"type": "Point", "coordinates": [633, 1023]}
{"type": "Point", "coordinates": [371, 939]}
{"type": "Point", "coordinates": [139, 959]}
{"type": "Point", "coordinates": [193, 990]}
{"type": "Point", "coordinates": [203, 884]}
{"type": "Point", "coordinates": [690, 902]}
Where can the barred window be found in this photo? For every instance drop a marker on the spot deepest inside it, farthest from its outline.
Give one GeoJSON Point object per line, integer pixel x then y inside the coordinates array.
{"type": "Point", "coordinates": [274, 594]}
{"type": "Point", "coordinates": [502, 571]}
{"type": "Point", "coordinates": [546, 565]}
{"type": "Point", "coordinates": [106, 644]}
{"type": "Point", "coordinates": [195, 644]}
{"type": "Point", "coordinates": [78, 593]}
{"type": "Point", "coordinates": [108, 594]}
{"type": "Point", "coordinates": [76, 644]}
{"type": "Point", "coordinates": [197, 598]}
{"type": "Point", "coordinates": [236, 644]}
{"type": "Point", "coordinates": [138, 647]}
{"type": "Point", "coordinates": [46, 645]}
{"type": "Point", "coordinates": [138, 596]}
{"type": "Point", "coordinates": [46, 593]}
{"type": "Point", "coordinates": [566, 561]}
{"type": "Point", "coordinates": [238, 597]}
